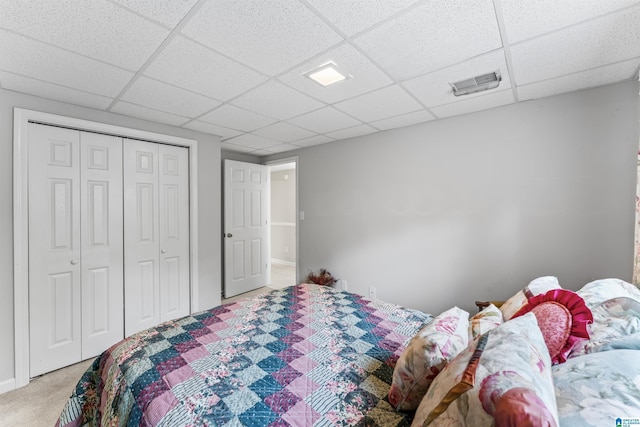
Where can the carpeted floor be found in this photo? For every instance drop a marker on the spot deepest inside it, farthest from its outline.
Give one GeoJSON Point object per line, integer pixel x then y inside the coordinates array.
{"type": "Point", "coordinates": [39, 404]}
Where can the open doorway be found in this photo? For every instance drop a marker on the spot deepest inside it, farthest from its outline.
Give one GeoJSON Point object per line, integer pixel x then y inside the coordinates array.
{"type": "Point", "coordinates": [284, 232]}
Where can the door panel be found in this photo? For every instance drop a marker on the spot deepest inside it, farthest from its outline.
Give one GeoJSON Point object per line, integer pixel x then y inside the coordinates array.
{"type": "Point", "coordinates": [102, 242]}
{"type": "Point", "coordinates": [142, 296]}
{"type": "Point", "coordinates": [245, 227]}
{"type": "Point", "coordinates": [174, 231]}
{"type": "Point", "coordinates": [54, 248]}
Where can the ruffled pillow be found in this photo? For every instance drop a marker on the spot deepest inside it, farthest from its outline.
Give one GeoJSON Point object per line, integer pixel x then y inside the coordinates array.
{"type": "Point", "coordinates": [426, 355]}
{"type": "Point", "coordinates": [563, 319]}
{"type": "Point", "coordinates": [538, 286]}
{"type": "Point", "coordinates": [488, 319]}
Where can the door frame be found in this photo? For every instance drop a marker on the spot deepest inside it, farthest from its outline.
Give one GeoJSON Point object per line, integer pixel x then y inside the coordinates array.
{"type": "Point", "coordinates": [21, 119]}
{"type": "Point", "coordinates": [284, 160]}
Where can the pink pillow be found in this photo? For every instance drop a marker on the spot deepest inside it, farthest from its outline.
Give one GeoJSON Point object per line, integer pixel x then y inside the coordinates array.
{"type": "Point", "coordinates": [521, 407]}
{"type": "Point", "coordinates": [562, 317]}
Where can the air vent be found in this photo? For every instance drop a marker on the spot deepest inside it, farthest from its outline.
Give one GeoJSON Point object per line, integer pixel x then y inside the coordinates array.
{"type": "Point", "coordinates": [476, 84]}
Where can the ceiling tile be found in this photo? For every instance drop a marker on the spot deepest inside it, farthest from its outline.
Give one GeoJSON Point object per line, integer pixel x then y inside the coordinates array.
{"type": "Point", "coordinates": [586, 79]}
{"type": "Point", "coordinates": [161, 96]}
{"type": "Point", "coordinates": [274, 99]}
{"type": "Point", "coordinates": [433, 89]}
{"type": "Point", "coordinates": [270, 36]}
{"type": "Point", "coordinates": [59, 66]}
{"type": "Point", "coordinates": [353, 16]}
{"type": "Point", "coordinates": [283, 132]}
{"type": "Point", "coordinates": [204, 127]}
{"type": "Point", "coordinates": [612, 38]}
{"type": "Point", "coordinates": [236, 118]}
{"type": "Point", "coordinates": [524, 19]}
{"type": "Point", "coordinates": [403, 120]}
{"type": "Point", "coordinates": [365, 75]}
{"type": "Point", "coordinates": [167, 12]}
{"type": "Point", "coordinates": [192, 66]}
{"type": "Point", "coordinates": [133, 110]}
{"type": "Point", "coordinates": [237, 148]}
{"type": "Point", "coordinates": [98, 29]}
{"type": "Point", "coordinates": [352, 132]}
{"type": "Point", "coordinates": [52, 91]}
{"type": "Point", "coordinates": [432, 36]}
{"type": "Point", "coordinates": [314, 140]}
{"type": "Point", "coordinates": [282, 148]}
{"type": "Point", "coordinates": [324, 120]}
{"type": "Point", "coordinates": [253, 141]}
{"type": "Point", "coordinates": [485, 102]}
{"type": "Point", "coordinates": [381, 104]}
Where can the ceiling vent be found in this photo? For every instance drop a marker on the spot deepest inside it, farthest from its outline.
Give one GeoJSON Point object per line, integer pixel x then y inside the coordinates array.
{"type": "Point", "coordinates": [476, 84]}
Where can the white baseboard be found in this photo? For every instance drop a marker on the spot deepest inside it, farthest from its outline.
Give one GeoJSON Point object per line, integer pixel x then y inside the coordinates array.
{"type": "Point", "coordinates": [7, 385]}
{"type": "Point", "coordinates": [283, 262]}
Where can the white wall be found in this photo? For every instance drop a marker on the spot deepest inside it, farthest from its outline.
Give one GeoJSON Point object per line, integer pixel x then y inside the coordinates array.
{"type": "Point", "coordinates": [208, 205]}
{"type": "Point", "coordinates": [474, 207]}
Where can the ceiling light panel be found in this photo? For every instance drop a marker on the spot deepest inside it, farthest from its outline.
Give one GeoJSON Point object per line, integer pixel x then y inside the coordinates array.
{"type": "Point", "coordinates": [327, 75]}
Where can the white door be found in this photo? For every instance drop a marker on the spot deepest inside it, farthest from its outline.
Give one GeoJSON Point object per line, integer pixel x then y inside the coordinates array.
{"type": "Point", "coordinates": [75, 246]}
{"type": "Point", "coordinates": [174, 231]}
{"type": "Point", "coordinates": [246, 228]}
{"type": "Point", "coordinates": [156, 223]}
{"type": "Point", "coordinates": [101, 242]}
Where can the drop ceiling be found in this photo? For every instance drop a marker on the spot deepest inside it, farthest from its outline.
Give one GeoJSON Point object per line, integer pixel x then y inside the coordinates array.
{"type": "Point", "coordinates": [237, 68]}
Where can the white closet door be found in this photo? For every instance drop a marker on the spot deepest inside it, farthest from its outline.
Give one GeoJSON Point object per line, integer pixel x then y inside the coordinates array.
{"type": "Point", "coordinates": [142, 254]}
{"type": "Point", "coordinates": [174, 231]}
{"type": "Point", "coordinates": [54, 248]}
{"type": "Point", "coordinates": [102, 242]}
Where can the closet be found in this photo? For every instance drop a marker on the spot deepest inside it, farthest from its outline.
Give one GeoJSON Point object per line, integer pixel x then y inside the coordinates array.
{"type": "Point", "coordinates": [108, 241]}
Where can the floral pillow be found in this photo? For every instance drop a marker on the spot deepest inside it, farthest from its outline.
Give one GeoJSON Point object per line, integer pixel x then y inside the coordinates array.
{"type": "Point", "coordinates": [563, 319]}
{"type": "Point", "coordinates": [425, 356]}
{"type": "Point", "coordinates": [489, 379]}
{"type": "Point", "coordinates": [536, 287]}
{"type": "Point", "coordinates": [599, 291]}
{"type": "Point", "coordinates": [613, 321]}
{"type": "Point", "coordinates": [488, 319]}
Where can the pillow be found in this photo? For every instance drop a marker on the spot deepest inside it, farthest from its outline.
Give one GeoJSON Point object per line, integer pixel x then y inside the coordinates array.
{"type": "Point", "coordinates": [563, 318]}
{"type": "Point", "coordinates": [425, 356]}
{"type": "Point", "coordinates": [536, 287]}
{"type": "Point", "coordinates": [486, 320]}
{"type": "Point", "coordinates": [599, 291]}
{"type": "Point", "coordinates": [511, 356]}
{"type": "Point", "coordinates": [613, 321]}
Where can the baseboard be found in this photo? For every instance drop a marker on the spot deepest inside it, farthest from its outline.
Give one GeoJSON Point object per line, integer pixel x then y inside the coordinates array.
{"type": "Point", "coordinates": [283, 262]}
{"type": "Point", "coordinates": [7, 385]}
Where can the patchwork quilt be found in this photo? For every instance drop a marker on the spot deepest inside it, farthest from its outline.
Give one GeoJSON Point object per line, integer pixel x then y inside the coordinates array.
{"type": "Point", "coordinates": [300, 356]}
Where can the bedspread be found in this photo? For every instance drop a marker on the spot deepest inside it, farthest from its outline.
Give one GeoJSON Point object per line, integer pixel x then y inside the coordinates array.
{"type": "Point", "coordinates": [305, 355]}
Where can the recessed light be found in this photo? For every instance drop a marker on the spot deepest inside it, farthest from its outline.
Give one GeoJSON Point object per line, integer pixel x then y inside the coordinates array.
{"type": "Point", "coordinates": [476, 84]}
{"type": "Point", "coordinates": [327, 75]}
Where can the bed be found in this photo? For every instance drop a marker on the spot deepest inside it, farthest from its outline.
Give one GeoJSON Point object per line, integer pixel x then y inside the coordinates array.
{"type": "Point", "coordinates": [312, 355]}
{"type": "Point", "coordinates": [304, 355]}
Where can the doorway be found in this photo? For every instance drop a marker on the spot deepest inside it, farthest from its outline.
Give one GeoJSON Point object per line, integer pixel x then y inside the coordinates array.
{"type": "Point", "coordinates": [284, 227]}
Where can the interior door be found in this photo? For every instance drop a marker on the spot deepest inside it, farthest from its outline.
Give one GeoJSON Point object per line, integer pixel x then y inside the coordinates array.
{"type": "Point", "coordinates": [174, 231]}
{"type": "Point", "coordinates": [54, 248]}
{"type": "Point", "coordinates": [246, 228]}
{"type": "Point", "coordinates": [101, 242]}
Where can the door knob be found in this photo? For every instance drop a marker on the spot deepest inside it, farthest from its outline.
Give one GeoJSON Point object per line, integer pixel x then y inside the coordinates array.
{"type": "Point", "coordinates": [163, 251]}
{"type": "Point", "coordinates": [74, 261]}
{"type": "Point", "coordinates": [229, 235]}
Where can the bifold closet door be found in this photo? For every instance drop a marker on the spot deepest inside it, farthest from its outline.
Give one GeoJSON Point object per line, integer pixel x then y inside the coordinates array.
{"type": "Point", "coordinates": [156, 222]}
{"type": "Point", "coordinates": [75, 246]}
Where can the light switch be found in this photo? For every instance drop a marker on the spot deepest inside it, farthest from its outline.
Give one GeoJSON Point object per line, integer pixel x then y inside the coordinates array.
{"type": "Point", "coordinates": [301, 215]}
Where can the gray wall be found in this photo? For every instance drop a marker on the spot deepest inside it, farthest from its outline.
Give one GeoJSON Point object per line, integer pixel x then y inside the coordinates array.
{"type": "Point", "coordinates": [283, 215]}
{"type": "Point", "coordinates": [474, 207]}
{"type": "Point", "coordinates": [208, 204]}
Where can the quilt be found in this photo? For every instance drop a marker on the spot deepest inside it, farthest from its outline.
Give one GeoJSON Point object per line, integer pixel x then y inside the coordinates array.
{"type": "Point", "coordinates": [300, 356]}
